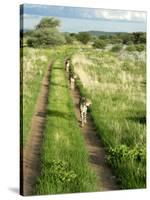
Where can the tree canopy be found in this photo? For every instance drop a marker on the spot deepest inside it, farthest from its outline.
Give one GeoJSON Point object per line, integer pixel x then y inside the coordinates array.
{"type": "Point", "coordinates": [83, 37]}
{"type": "Point", "coordinates": [46, 34]}
{"type": "Point", "coordinates": [99, 43]}
{"type": "Point", "coordinates": [48, 23]}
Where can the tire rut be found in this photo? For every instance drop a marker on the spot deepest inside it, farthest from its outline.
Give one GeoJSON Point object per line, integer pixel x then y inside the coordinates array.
{"type": "Point", "coordinates": [95, 149]}
{"type": "Point", "coordinates": [30, 155]}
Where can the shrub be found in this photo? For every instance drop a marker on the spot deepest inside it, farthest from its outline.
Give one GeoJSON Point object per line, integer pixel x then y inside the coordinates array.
{"type": "Point", "coordinates": [69, 39]}
{"type": "Point", "coordinates": [32, 42]}
{"type": "Point", "coordinates": [129, 42]}
{"type": "Point", "coordinates": [84, 37]}
{"type": "Point", "coordinates": [100, 44]}
{"type": "Point", "coordinates": [116, 48]}
{"type": "Point", "coordinates": [131, 48]}
{"type": "Point", "coordinates": [140, 47]}
{"type": "Point", "coordinates": [139, 37]}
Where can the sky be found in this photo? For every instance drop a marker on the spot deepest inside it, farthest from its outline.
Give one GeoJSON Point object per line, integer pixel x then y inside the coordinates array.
{"type": "Point", "coordinates": [77, 19]}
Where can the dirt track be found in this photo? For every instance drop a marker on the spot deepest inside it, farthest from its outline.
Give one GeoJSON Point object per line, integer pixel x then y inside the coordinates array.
{"type": "Point", "coordinates": [95, 149]}
{"type": "Point", "coordinates": [30, 155]}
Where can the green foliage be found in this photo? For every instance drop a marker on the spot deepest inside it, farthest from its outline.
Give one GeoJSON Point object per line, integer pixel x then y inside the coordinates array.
{"type": "Point", "coordinates": [129, 160]}
{"type": "Point", "coordinates": [69, 39]}
{"type": "Point", "coordinates": [122, 153]}
{"type": "Point", "coordinates": [32, 70]}
{"type": "Point", "coordinates": [119, 112]}
{"type": "Point", "coordinates": [103, 37]}
{"type": "Point", "coordinates": [32, 42]}
{"type": "Point", "coordinates": [84, 37]}
{"type": "Point", "coordinates": [137, 47]}
{"type": "Point", "coordinates": [142, 38]}
{"type": "Point", "coordinates": [140, 47]}
{"type": "Point", "coordinates": [100, 44]}
{"type": "Point", "coordinates": [80, 87]}
{"type": "Point", "coordinates": [46, 38]}
{"type": "Point", "coordinates": [48, 23]}
{"type": "Point", "coordinates": [116, 48]}
{"type": "Point", "coordinates": [115, 39]}
{"type": "Point", "coordinates": [46, 34]}
{"type": "Point", "coordinates": [59, 171]}
{"type": "Point", "coordinates": [139, 37]}
{"type": "Point", "coordinates": [126, 37]}
{"type": "Point", "coordinates": [131, 38]}
{"type": "Point", "coordinates": [73, 35]}
{"type": "Point", "coordinates": [64, 161]}
{"type": "Point", "coordinates": [131, 48]}
{"type": "Point", "coordinates": [130, 42]}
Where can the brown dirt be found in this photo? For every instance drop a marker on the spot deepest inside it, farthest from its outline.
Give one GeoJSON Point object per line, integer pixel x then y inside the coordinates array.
{"type": "Point", "coordinates": [95, 149]}
{"type": "Point", "coordinates": [30, 155]}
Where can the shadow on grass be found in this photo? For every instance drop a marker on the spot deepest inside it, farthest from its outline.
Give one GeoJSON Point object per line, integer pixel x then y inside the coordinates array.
{"type": "Point", "coordinates": [138, 119]}
{"type": "Point", "coordinates": [56, 113]}
{"type": "Point", "coordinates": [57, 68]}
{"type": "Point", "coordinates": [59, 85]}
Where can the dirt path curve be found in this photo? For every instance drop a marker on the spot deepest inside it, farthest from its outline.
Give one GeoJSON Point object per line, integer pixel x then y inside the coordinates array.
{"type": "Point", "coordinates": [95, 149]}
{"type": "Point", "coordinates": [30, 155]}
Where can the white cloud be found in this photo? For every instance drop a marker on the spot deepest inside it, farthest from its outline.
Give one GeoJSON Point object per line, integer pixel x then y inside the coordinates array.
{"type": "Point", "coordinates": [120, 15]}
{"type": "Point", "coordinates": [86, 13]}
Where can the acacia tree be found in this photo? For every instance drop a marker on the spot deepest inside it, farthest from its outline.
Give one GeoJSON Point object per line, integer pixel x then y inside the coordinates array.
{"type": "Point", "coordinates": [46, 34]}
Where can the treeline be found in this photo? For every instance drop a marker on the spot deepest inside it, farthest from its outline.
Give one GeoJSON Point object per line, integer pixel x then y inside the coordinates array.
{"type": "Point", "coordinates": [134, 41]}
{"type": "Point", "coordinates": [46, 34]}
{"type": "Point", "coordinates": [116, 38]}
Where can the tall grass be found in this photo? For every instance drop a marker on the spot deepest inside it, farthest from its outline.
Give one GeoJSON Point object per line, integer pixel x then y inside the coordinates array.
{"type": "Point", "coordinates": [117, 90]}
{"type": "Point", "coordinates": [64, 161]}
{"type": "Point", "coordinates": [33, 65]}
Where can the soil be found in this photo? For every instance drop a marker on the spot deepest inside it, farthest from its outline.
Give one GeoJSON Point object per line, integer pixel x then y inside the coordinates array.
{"type": "Point", "coordinates": [30, 154]}
{"type": "Point", "coordinates": [95, 149]}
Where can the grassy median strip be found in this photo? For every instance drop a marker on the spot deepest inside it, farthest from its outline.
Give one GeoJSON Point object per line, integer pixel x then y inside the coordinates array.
{"type": "Point", "coordinates": [64, 161]}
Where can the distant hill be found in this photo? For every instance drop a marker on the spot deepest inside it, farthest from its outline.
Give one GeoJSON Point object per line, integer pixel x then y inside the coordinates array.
{"type": "Point", "coordinates": [99, 33]}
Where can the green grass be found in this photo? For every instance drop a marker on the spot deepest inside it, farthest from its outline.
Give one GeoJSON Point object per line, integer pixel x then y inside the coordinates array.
{"type": "Point", "coordinates": [117, 87]}
{"type": "Point", "coordinates": [118, 93]}
{"type": "Point", "coordinates": [34, 62]}
{"type": "Point", "coordinates": [64, 160]}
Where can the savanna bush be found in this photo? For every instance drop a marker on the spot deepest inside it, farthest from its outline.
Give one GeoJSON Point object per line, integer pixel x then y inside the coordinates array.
{"type": "Point", "coordinates": [140, 47]}
{"type": "Point", "coordinates": [131, 48]}
{"type": "Point", "coordinates": [99, 44]}
{"type": "Point", "coordinates": [116, 48]}
{"type": "Point", "coordinates": [83, 37]}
